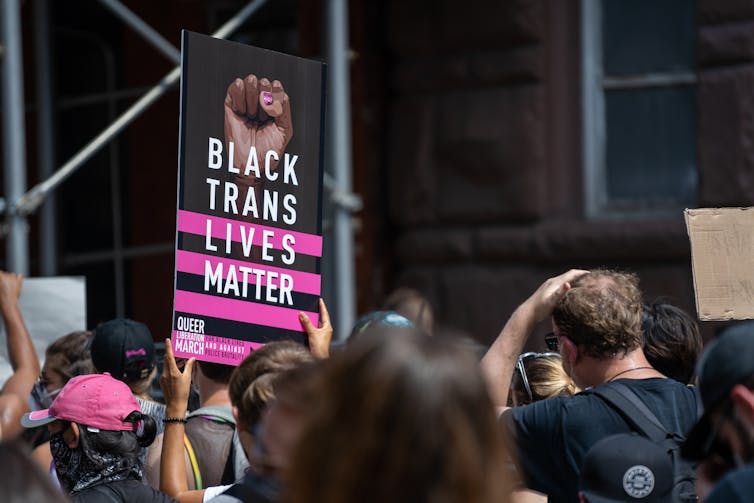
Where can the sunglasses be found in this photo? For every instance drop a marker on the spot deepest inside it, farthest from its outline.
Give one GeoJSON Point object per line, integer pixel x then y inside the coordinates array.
{"type": "Point", "coordinates": [522, 369]}
{"type": "Point", "coordinates": [551, 340]}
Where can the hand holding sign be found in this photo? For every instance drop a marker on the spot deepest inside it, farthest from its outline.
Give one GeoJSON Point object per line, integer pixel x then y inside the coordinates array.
{"type": "Point", "coordinates": [175, 383]}
{"type": "Point", "coordinates": [319, 338]}
{"type": "Point", "coordinates": [257, 114]}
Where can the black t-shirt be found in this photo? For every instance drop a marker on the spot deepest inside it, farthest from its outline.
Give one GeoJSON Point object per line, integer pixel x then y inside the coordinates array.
{"type": "Point", "coordinates": [554, 435]}
{"type": "Point", "coordinates": [121, 491]}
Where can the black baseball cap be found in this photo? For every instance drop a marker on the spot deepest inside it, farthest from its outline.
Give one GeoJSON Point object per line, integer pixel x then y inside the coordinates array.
{"type": "Point", "coordinates": [124, 348]}
{"type": "Point", "coordinates": [726, 361]}
{"type": "Point", "coordinates": [626, 467]}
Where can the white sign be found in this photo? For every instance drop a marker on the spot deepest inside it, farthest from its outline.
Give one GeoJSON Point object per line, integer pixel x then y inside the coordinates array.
{"type": "Point", "coordinates": [51, 307]}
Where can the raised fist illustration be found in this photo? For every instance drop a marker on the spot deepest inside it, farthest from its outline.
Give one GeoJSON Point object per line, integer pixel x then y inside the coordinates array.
{"type": "Point", "coordinates": [258, 114]}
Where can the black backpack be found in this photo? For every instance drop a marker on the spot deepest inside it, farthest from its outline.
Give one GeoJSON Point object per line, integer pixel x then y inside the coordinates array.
{"type": "Point", "coordinates": [643, 421]}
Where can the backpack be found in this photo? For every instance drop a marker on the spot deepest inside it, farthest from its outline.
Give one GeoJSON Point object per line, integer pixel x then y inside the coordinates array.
{"type": "Point", "coordinates": [236, 462]}
{"type": "Point", "coordinates": [621, 398]}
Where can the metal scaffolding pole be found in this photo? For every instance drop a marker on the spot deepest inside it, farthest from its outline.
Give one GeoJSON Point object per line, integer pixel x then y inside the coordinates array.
{"type": "Point", "coordinates": [135, 22]}
{"type": "Point", "coordinates": [340, 151]}
{"type": "Point", "coordinates": [34, 197]}
{"type": "Point", "coordinates": [14, 138]}
{"type": "Point", "coordinates": [48, 242]}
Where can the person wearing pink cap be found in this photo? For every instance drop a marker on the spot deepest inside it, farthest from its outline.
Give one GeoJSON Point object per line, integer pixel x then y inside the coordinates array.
{"type": "Point", "coordinates": [97, 432]}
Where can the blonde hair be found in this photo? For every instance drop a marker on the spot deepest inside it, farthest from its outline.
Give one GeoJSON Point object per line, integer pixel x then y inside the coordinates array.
{"type": "Point", "coordinates": [546, 378]}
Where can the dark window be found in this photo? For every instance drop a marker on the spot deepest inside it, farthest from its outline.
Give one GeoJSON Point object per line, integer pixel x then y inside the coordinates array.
{"type": "Point", "coordinates": [639, 98]}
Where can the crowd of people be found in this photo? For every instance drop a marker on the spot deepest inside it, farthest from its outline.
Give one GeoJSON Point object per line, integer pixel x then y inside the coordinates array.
{"type": "Point", "coordinates": [625, 405]}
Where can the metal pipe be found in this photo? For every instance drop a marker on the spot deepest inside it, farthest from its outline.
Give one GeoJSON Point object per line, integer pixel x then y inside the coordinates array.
{"type": "Point", "coordinates": [14, 137]}
{"type": "Point", "coordinates": [236, 21]}
{"type": "Point", "coordinates": [649, 80]}
{"type": "Point", "coordinates": [340, 151]}
{"type": "Point", "coordinates": [592, 98]}
{"type": "Point", "coordinates": [143, 29]}
{"type": "Point", "coordinates": [48, 235]}
{"type": "Point", "coordinates": [116, 205]}
{"type": "Point", "coordinates": [100, 256]}
{"type": "Point", "coordinates": [119, 265]}
{"type": "Point", "coordinates": [34, 197]}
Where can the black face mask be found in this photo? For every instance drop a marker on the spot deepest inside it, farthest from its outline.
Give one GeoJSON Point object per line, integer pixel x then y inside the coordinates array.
{"type": "Point", "coordinates": [67, 461]}
{"type": "Point", "coordinates": [78, 471]}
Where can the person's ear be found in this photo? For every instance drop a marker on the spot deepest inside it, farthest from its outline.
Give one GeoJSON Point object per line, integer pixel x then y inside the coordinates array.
{"type": "Point", "coordinates": [72, 436]}
{"type": "Point", "coordinates": [240, 426]}
{"type": "Point", "coordinates": [570, 351]}
{"type": "Point", "coordinates": [743, 399]}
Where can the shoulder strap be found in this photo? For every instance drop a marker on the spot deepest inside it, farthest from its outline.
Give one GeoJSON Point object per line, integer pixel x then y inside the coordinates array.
{"type": "Point", "coordinates": [633, 410]}
{"type": "Point", "coordinates": [194, 463]}
{"type": "Point", "coordinates": [219, 411]}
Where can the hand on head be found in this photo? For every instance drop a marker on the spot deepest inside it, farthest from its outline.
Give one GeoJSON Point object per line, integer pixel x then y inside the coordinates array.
{"type": "Point", "coordinates": [546, 297]}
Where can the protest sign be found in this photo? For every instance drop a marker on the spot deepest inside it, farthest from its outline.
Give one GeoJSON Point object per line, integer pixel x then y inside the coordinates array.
{"type": "Point", "coordinates": [249, 232]}
{"type": "Point", "coordinates": [722, 256]}
{"type": "Point", "coordinates": [52, 308]}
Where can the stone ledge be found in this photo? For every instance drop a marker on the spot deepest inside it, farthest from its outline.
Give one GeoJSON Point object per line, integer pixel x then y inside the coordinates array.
{"type": "Point", "coordinates": [553, 242]}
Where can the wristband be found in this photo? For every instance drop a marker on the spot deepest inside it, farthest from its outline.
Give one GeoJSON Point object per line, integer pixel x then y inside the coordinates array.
{"type": "Point", "coordinates": [174, 420]}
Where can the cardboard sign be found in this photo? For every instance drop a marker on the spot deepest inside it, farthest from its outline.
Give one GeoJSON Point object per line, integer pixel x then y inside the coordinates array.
{"type": "Point", "coordinates": [722, 257]}
{"type": "Point", "coordinates": [52, 308]}
{"type": "Point", "coordinates": [249, 226]}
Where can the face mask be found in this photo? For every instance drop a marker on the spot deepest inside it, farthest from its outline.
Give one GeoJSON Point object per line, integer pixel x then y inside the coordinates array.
{"type": "Point", "coordinates": [67, 461]}
{"type": "Point", "coordinates": [40, 398]}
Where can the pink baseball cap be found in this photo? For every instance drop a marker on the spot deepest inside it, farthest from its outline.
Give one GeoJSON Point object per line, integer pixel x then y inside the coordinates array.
{"type": "Point", "coordinates": [95, 400]}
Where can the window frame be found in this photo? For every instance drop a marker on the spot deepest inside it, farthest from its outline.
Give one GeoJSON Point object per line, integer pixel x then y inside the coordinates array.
{"type": "Point", "coordinates": [594, 84]}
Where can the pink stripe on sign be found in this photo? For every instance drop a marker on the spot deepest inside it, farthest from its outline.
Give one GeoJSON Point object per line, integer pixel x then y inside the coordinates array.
{"type": "Point", "coordinates": [196, 223]}
{"type": "Point", "coordinates": [211, 348]}
{"type": "Point", "coordinates": [240, 310]}
{"type": "Point", "coordinates": [193, 263]}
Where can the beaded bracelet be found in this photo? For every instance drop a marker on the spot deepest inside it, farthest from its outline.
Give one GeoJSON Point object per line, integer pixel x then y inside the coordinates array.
{"type": "Point", "coordinates": [174, 420]}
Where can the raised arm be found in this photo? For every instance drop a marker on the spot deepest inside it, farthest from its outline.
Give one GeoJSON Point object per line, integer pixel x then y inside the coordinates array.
{"type": "Point", "coordinates": [176, 385]}
{"type": "Point", "coordinates": [23, 358]}
{"type": "Point", "coordinates": [319, 338]}
{"type": "Point", "coordinates": [498, 362]}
